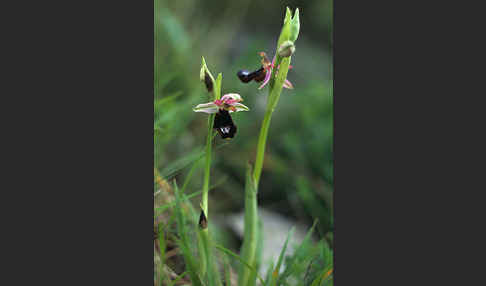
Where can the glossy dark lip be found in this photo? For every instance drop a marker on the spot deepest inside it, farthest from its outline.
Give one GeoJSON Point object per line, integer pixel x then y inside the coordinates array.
{"type": "Point", "coordinates": [245, 76]}
{"type": "Point", "coordinates": [223, 120]}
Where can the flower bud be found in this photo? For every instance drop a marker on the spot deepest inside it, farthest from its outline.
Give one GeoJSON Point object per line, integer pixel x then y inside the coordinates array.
{"type": "Point", "coordinates": [206, 77]}
{"type": "Point", "coordinates": [286, 49]}
{"type": "Point", "coordinates": [291, 27]}
{"type": "Point", "coordinates": [203, 222]}
{"type": "Point", "coordinates": [208, 82]}
{"type": "Point", "coordinates": [288, 15]}
{"type": "Point", "coordinates": [294, 26]}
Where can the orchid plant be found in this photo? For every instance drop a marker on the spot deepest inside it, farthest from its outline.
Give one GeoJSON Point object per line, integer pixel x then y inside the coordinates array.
{"type": "Point", "coordinates": [274, 74]}
{"type": "Point", "coordinates": [201, 266]}
{"type": "Point", "coordinates": [219, 109]}
{"type": "Point", "coordinates": [276, 80]}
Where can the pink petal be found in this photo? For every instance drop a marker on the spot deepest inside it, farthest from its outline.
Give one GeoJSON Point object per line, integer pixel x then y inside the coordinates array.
{"type": "Point", "coordinates": [231, 96]}
{"type": "Point", "coordinates": [288, 84]}
{"type": "Point", "coordinates": [267, 78]}
{"type": "Point", "coordinates": [231, 101]}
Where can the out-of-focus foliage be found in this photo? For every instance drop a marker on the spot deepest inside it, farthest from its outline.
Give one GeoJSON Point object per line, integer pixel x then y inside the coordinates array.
{"type": "Point", "coordinates": [297, 179]}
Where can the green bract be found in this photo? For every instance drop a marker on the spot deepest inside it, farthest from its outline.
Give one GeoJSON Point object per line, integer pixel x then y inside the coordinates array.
{"type": "Point", "coordinates": [294, 26]}
{"type": "Point", "coordinates": [291, 27]}
{"type": "Point", "coordinates": [206, 76]}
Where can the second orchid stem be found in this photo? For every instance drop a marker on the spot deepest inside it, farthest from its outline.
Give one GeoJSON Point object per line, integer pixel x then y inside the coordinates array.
{"type": "Point", "coordinates": [204, 238]}
{"type": "Point", "coordinates": [207, 169]}
{"type": "Point", "coordinates": [276, 86]}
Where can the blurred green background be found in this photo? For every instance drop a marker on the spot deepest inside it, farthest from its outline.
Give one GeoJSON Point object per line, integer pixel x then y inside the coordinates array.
{"type": "Point", "coordinates": [297, 179]}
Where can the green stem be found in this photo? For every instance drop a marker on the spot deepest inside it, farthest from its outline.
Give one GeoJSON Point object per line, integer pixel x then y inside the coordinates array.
{"type": "Point", "coordinates": [274, 96]}
{"type": "Point", "coordinates": [209, 140]}
{"type": "Point", "coordinates": [204, 239]}
{"type": "Point", "coordinates": [251, 231]}
{"type": "Point", "coordinates": [204, 234]}
{"type": "Point", "coordinates": [251, 205]}
{"type": "Point", "coordinates": [207, 168]}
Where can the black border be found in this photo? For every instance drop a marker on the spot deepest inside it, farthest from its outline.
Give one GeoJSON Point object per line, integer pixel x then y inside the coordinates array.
{"type": "Point", "coordinates": [404, 183]}
{"type": "Point", "coordinates": [85, 91]}
{"type": "Point", "coordinates": [85, 76]}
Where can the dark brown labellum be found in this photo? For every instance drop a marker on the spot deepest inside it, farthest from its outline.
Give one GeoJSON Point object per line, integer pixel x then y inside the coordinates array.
{"type": "Point", "coordinates": [203, 222]}
{"type": "Point", "coordinates": [259, 74]}
{"type": "Point", "coordinates": [208, 82]}
{"type": "Point", "coordinates": [246, 76]}
{"type": "Point", "coordinates": [224, 124]}
{"type": "Point", "coordinates": [243, 75]}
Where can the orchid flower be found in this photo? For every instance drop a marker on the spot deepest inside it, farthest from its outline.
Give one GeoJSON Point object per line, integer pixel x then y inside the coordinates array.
{"type": "Point", "coordinates": [268, 67]}
{"type": "Point", "coordinates": [229, 102]}
{"type": "Point", "coordinates": [263, 74]}
{"type": "Point", "coordinates": [223, 107]}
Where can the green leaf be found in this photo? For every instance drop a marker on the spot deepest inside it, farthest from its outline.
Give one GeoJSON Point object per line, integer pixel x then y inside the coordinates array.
{"type": "Point", "coordinates": [183, 242]}
{"type": "Point", "coordinates": [170, 170]}
{"type": "Point", "coordinates": [276, 271]}
{"type": "Point", "coordinates": [205, 71]}
{"type": "Point", "coordinates": [250, 237]}
{"type": "Point", "coordinates": [289, 269]}
{"type": "Point", "coordinates": [241, 260]}
{"type": "Point", "coordinates": [161, 209]}
{"type": "Point", "coordinates": [227, 269]}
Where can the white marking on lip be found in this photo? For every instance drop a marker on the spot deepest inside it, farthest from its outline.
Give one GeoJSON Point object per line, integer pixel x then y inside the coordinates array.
{"type": "Point", "coordinates": [226, 129]}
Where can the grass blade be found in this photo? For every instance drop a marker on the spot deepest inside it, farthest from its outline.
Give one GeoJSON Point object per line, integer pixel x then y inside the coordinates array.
{"type": "Point", "coordinates": [269, 274]}
{"type": "Point", "coordinates": [276, 271]}
{"type": "Point", "coordinates": [243, 262]}
{"type": "Point", "coordinates": [183, 242]}
{"type": "Point", "coordinates": [323, 275]}
{"type": "Point", "coordinates": [171, 283]}
{"type": "Point", "coordinates": [289, 269]}
{"type": "Point", "coordinates": [227, 269]}
{"type": "Point", "coordinates": [161, 209]}
{"type": "Point", "coordinates": [175, 167]}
